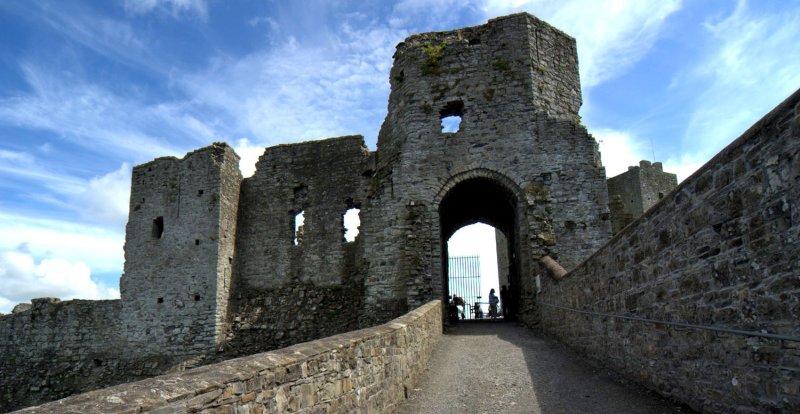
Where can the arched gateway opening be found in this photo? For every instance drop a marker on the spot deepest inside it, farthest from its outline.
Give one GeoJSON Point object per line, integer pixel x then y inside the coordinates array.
{"type": "Point", "coordinates": [487, 198]}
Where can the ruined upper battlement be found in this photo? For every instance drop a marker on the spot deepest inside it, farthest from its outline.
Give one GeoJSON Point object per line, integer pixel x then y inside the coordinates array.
{"type": "Point", "coordinates": [496, 76]}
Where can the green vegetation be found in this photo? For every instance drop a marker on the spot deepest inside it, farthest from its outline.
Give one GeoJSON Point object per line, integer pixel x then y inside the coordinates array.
{"type": "Point", "coordinates": [502, 65]}
{"type": "Point", "coordinates": [433, 56]}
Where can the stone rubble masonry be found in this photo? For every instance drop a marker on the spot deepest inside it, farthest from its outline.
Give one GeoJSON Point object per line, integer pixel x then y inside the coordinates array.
{"type": "Point", "coordinates": [515, 84]}
{"type": "Point", "coordinates": [636, 190]}
{"type": "Point", "coordinates": [323, 179]}
{"type": "Point", "coordinates": [56, 349]}
{"type": "Point", "coordinates": [722, 251]}
{"type": "Point", "coordinates": [179, 245]}
{"type": "Point", "coordinates": [370, 370]}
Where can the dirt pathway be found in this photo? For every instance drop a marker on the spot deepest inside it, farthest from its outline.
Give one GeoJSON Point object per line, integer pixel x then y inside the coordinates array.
{"type": "Point", "coordinates": [498, 367]}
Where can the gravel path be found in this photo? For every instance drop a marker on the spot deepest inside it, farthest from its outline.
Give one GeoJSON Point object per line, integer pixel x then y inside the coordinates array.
{"type": "Point", "coordinates": [498, 367]}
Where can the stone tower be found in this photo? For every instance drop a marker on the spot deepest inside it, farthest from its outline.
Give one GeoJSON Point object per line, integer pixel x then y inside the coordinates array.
{"type": "Point", "coordinates": [179, 248]}
{"type": "Point", "coordinates": [519, 160]}
{"type": "Point", "coordinates": [636, 190]}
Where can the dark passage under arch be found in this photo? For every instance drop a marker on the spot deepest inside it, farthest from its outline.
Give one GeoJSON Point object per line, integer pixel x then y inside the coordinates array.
{"type": "Point", "coordinates": [486, 200]}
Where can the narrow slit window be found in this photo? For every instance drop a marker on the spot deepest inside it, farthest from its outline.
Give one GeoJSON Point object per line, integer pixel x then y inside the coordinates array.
{"type": "Point", "coordinates": [158, 227]}
{"type": "Point", "coordinates": [299, 221]}
{"type": "Point", "coordinates": [351, 221]}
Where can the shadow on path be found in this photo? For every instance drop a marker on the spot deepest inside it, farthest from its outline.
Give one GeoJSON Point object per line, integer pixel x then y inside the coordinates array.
{"type": "Point", "coordinates": [495, 366]}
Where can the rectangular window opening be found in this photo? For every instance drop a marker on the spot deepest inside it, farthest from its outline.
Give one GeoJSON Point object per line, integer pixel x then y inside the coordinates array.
{"type": "Point", "coordinates": [450, 116]}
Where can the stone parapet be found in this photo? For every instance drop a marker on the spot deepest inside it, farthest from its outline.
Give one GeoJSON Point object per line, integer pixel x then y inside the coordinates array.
{"type": "Point", "coordinates": [699, 298]}
{"type": "Point", "coordinates": [369, 370]}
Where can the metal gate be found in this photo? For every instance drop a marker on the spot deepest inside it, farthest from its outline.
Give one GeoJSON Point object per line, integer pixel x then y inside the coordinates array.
{"type": "Point", "coordinates": [464, 280]}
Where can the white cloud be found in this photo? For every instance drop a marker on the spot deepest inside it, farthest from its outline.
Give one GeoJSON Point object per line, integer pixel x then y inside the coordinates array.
{"type": "Point", "coordinates": [25, 168]}
{"type": "Point", "coordinates": [97, 247]}
{"type": "Point", "coordinates": [105, 198]}
{"type": "Point", "coordinates": [297, 92]}
{"type": "Point", "coordinates": [683, 166]}
{"type": "Point", "coordinates": [248, 156]}
{"type": "Point", "coordinates": [23, 278]}
{"type": "Point", "coordinates": [112, 38]}
{"type": "Point", "coordinates": [15, 156]}
{"type": "Point", "coordinates": [96, 118]}
{"type": "Point", "coordinates": [102, 199]}
{"type": "Point", "coordinates": [751, 67]}
{"type": "Point", "coordinates": [618, 150]}
{"type": "Point", "coordinates": [611, 36]}
{"type": "Point", "coordinates": [173, 7]}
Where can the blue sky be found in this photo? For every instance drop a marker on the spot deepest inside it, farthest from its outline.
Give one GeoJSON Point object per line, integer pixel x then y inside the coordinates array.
{"type": "Point", "coordinates": [90, 88]}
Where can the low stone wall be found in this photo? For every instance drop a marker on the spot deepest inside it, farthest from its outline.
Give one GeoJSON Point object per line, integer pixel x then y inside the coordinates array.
{"type": "Point", "coordinates": [369, 370]}
{"type": "Point", "coordinates": [720, 252]}
{"type": "Point", "coordinates": [55, 349]}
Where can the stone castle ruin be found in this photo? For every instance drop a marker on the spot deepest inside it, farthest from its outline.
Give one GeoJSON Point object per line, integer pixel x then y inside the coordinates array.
{"type": "Point", "coordinates": [216, 268]}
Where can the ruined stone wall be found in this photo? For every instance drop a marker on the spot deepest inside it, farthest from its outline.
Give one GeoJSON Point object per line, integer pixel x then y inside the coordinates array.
{"type": "Point", "coordinates": [56, 349]}
{"type": "Point", "coordinates": [323, 179]}
{"type": "Point", "coordinates": [721, 252]}
{"type": "Point", "coordinates": [370, 370]}
{"type": "Point", "coordinates": [47, 349]}
{"type": "Point", "coordinates": [514, 82]}
{"type": "Point", "coordinates": [288, 291]}
{"type": "Point", "coordinates": [179, 245]}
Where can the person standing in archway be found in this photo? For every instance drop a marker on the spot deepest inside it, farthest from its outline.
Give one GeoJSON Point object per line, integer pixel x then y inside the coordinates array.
{"type": "Point", "coordinates": [493, 304]}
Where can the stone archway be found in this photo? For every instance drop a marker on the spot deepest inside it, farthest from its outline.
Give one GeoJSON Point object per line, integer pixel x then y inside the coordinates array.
{"type": "Point", "coordinates": [489, 197]}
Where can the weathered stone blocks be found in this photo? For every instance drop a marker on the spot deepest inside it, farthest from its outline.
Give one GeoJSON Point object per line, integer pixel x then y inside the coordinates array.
{"type": "Point", "coordinates": [721, 252]}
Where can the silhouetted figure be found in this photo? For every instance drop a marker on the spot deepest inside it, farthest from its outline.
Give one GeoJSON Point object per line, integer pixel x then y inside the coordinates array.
{"type": "Point", "coordinates": [493, 304]}
{"type": "Point", "coordinates": [452, 310]}
{"type": "Point", "coordinates": [477, 310]}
